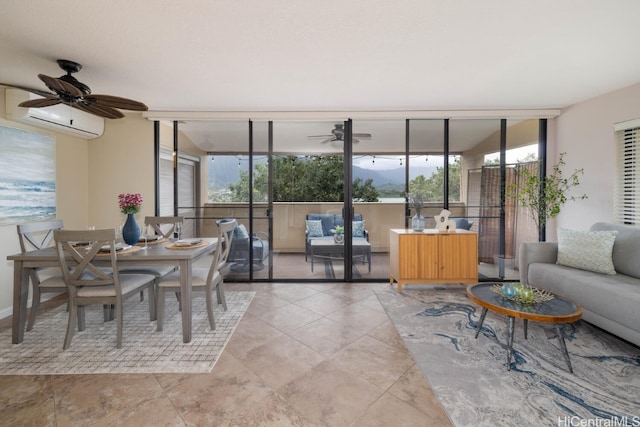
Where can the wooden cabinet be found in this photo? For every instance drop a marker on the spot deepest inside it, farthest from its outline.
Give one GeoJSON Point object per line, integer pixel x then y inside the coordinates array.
{"type": "Point", "coordinates": [433, 257]}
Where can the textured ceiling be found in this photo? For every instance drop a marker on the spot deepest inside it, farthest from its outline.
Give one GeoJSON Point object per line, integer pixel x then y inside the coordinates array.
{"type": "Point", "coordinates": [333, 55]}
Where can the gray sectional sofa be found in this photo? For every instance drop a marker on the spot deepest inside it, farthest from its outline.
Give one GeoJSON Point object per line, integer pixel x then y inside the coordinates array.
{"type": "Point", "coordinates": [609, 301]}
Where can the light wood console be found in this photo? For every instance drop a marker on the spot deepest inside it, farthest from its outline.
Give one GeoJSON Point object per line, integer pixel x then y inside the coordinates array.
{"type": "Point", "coordinates": [431, 256]}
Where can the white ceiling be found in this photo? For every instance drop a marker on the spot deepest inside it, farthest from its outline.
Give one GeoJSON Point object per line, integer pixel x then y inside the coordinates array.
{"type": "Point", "coordinates": [333, 55]}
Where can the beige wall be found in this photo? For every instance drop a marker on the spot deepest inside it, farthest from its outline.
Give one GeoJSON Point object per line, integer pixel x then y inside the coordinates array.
{"type": "Point", "coordinates": [585, 132]}
{"type": "Point", "coordinates": [121, 161]}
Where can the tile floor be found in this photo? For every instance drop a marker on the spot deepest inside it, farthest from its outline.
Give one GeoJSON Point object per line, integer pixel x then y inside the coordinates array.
{"type": "Point", "coordinates": [319, 354]}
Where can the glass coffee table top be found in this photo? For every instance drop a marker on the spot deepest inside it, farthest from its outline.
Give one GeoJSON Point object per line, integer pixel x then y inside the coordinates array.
{"type": "Point", "coordinates": [557, 311]}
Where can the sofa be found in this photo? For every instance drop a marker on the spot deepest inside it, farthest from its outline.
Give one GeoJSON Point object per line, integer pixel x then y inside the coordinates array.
{"type": "Point", "coordinates": [322, 226]}
{"type": "Point", "coordinates": [577, 267]}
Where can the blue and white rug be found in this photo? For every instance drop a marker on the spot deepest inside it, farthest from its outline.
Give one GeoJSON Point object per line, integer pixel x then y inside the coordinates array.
{"type": "Point", "coordinates": [471, 379]}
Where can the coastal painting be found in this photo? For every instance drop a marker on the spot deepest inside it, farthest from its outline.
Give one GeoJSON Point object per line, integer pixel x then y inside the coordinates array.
{"type": "Point", "coordinates": [27, 176]}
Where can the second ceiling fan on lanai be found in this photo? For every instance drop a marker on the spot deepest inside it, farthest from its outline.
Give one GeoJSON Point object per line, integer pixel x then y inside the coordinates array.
{"type": "Point", "coordinates": [337, 136]}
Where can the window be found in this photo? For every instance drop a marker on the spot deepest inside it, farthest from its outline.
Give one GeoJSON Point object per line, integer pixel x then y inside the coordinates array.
{"type": "Point", "coordinates": [627, 185]}
{"type": "Point", "coordinates": [187, 188]}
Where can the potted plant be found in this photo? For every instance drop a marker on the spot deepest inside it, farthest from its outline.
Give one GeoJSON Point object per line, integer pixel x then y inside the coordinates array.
{"type": "Point", "coordinates": [129, 205]}
{"type": "Point", "coordinates": [416, 201]}
{"type": "Point", "coordinates": [338, 237]}
{"type": "Point", "coordinates": [544, 196]}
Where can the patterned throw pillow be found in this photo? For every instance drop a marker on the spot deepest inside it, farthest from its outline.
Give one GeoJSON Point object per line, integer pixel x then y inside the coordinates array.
{"type": "Point", "coordinates": [587, 250]}
{"type": "Point", "coordinates": [357, 229]}
{"type": "Point", "coordinates": [314, 228]}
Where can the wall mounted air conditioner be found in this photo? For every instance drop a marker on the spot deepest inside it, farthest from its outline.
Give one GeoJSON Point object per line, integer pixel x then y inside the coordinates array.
{"type": "Point", "coordinates": [60, 118]}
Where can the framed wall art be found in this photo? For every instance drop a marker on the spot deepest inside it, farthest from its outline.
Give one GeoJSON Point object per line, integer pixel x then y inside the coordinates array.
{"type": "Point", "coordinates": [27, 176]}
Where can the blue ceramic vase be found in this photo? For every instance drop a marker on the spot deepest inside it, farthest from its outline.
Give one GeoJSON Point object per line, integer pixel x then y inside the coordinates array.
{"type": "Point", "coordinates": [131, 230]}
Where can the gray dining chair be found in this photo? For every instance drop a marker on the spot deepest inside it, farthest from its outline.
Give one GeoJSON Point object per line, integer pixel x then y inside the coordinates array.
{"type": "Point", "coordinates": [34, 236]}
{"type": "Point", "coordinates": [163, 226]}
{"type": "Point", "coordinates": [203, 279]}
{"type": "Point", "coordinates": [88, 283]}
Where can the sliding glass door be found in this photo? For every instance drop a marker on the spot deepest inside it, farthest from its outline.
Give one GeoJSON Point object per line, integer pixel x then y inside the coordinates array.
{"type": "Point", "coordinates": [293, 185]}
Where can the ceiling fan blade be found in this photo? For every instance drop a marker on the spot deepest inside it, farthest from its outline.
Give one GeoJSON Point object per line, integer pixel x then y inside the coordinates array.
{"type": "Point", "coordinates": [320, 136]}
{"type": "Point", "coordinates": [38, 103]}
{"type": "Point", "coordinates": [42, 93]}
{"type": "Point", "coordinates": [98, 110]}
{"type": "Point", "coordinates": [355, 140]}
{"type": "Point", "coordinates": [362, 135]}
{"type": "Point", "coordinates": [60, 86]}
{"type": "Point", "coordinates": [116, 102]}
{"type": "Point", "coordinates": [327, 140]}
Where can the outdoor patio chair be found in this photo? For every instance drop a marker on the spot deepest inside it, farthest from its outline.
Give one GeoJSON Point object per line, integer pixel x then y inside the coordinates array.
{"type": "Point", "coordinates": [89, 284]}
{"type": "Point", "coordinates": [34, 236]}
{"type": "Point", "coordinates": [203, 279]}
{"type": "Point", "coordinates": [239, 251]}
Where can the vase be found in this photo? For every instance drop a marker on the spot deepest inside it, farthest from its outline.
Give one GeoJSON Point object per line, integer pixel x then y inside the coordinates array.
{"type": "Point", "coordinates": [131, 230]}
{"type": "Point", "coordinates": [338, 238]}
{"type": "Point", "coordinates": [418, 222]}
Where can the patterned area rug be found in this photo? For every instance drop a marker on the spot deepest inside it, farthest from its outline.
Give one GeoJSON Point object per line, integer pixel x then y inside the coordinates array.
{"type": "Point", "coordinates": [471, 379]}
{"type": "Point", "coordinates": [144, 350]}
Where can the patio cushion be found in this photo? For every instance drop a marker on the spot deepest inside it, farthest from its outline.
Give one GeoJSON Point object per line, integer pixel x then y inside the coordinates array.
{"type": "Point", "coordinates": [328, 222]}
{"type": "Point", "coordinates": [240, 232]}
{"type": "Point", "coordinates": [314, 228]}
{"type": "Point", "coordinates": [357, 229]}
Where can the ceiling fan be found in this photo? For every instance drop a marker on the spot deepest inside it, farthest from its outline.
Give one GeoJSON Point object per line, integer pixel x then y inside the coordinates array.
{"type": "Point", "coordinates": [337, 136]}
{"type": "Point", "coordinates": [68, 90]}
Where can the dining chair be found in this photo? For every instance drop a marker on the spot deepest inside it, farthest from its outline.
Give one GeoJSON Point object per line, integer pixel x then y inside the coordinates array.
{"type": "Point", "coordinates": [34, 236]}
{"type": "Point", "coordinates": [88, 283]}
{"type": "Point", "coordinates": [163, 226]}
{"type": "Point", "coordinates": [203, 279]}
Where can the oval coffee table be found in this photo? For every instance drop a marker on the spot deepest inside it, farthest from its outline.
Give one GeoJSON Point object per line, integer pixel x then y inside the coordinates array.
{"type": "Point", "coordinates": [558, 310]}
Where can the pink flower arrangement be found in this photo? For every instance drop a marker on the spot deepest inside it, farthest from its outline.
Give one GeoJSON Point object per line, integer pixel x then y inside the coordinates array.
{"type": "Point", "coordinates": [129, 203]}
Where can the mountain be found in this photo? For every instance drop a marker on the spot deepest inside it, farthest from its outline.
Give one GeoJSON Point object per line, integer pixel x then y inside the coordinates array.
{"type": "Point", "coordinates": [392, 176]}
{"type": "Point", "coordinates": [224, 170]}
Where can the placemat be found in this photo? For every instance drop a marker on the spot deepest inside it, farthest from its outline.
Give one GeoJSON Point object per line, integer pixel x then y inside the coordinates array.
{"type": "Point", "coordinates": [129, 250]}
{"type": "Point", "coordinates": [153, 242]}
{"type": "Point", "coordinates": [198, 245]}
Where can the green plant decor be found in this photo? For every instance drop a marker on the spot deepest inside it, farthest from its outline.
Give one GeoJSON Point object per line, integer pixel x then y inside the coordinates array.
{"type": "Point", "coordinates": [543, 197]}
{"type": "Point", "coordinates": [339, 229]}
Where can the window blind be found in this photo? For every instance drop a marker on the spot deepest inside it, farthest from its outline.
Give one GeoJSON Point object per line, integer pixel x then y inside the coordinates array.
{"type": "Point", "coordinates": [627, 184]}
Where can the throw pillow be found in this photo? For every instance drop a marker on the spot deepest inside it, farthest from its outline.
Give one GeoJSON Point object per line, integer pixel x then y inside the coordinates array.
{"type": "Point", "coordinates": [240, 232]}
{"type": "Point", "coordinates": [314, 228]}
{"type": "Point", "coordinates": [357, 228]}
{"type": "Point", "coordinates": [587, 250]}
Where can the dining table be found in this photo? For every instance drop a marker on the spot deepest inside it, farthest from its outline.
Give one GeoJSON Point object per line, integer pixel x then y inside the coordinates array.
{"type": "Point", "coordinates": [164, 253]}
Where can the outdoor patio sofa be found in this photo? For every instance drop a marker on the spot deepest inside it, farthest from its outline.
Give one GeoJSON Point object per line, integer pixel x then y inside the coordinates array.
{"type": "Point", "coordinates": [326, 228]}
{"type": "Point", "coordinates": [610, 295]}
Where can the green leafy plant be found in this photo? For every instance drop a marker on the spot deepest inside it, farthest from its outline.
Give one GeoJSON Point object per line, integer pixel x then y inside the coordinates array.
{"type": "Point", "coordinates": [339, 230]}
{"type": "Point", "coordinates": [544, 196]}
